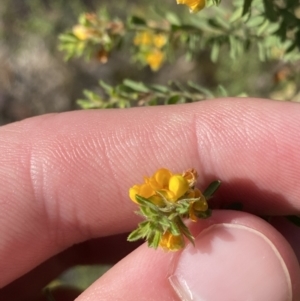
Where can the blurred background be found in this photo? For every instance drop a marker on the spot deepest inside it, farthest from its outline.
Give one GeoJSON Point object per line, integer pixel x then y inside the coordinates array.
{"type": "Point", "coordinates": [35, 79]}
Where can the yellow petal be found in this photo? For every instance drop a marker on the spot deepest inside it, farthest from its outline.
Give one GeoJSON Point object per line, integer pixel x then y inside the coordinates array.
{"type": "Point", "coordinates": [133, 191]}
{"type": "Point", "coordinates": [143, 190]}
{"type": "Point", "coordinates": [157, 200]}
{"type": "Point", "coordinates": [194, 5]}
{"type": "Point", "coordinates": [178, 185]}
{"type": "Point", "coordinates": [170, 242]}
{"type": "Point", "coordinates": [169, 195]}
{"type": "Point", "coordinates": [162, 177]}
{"type": "Point", "coordinates": [146, 191]}
{"type": "Point", "coordinates": [81, 32]}
{"type": "Point", "coordinates": [143, 38]}
{"type": "Point", "coordinates": [155, 59]}
{"type": "Point", "coordinates": [159, 40]}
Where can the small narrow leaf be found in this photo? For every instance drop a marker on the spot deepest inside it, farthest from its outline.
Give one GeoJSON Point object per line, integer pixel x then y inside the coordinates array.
{"type": "Point", "coordinates": [246, 7]}
{"type": "Point", "coordinates": [106, 87]}
{"type": "Point", "coordinates": [173, 100]}
{"type": "Point", "coordinates": [160, 88]}
{"type": "Point", "coordinates": [222, 91]}
{"type": "Point", "coordinates": [211, 189]}
{"type": "Point", "coordinates": [200, 89]}
{"type": "Point", "coordinates": [185, 230]}
{"type": "Point", "coordinates": [135, 86]}
{"type": "Point", "coordinates": [155, 240]}
{"type": "Point", "coordinates": [136, 235]}
{"type": "Point", "coordinates": [215, 52]}
{"type": "Point", "coordinates": [137, 21]}
{"type": "Point", "coordinates": [269, 10]}
{"type": "Point", "coordinates": [174, 229]}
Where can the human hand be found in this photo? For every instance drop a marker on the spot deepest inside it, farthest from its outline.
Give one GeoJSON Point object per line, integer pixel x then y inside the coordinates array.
{"type": "Point", "coordinates": [64, 181]}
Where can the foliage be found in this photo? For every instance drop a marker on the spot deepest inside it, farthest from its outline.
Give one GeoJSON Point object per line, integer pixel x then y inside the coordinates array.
{"type": "Point", "coordinates": [269, 28]}
{"type": "Point", "coordinates": [131, 93]}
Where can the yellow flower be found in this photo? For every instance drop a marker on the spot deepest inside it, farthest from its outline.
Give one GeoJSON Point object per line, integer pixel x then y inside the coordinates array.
{"type": "Point", "coordinates": [170, 242]}
{"type": "Point", "coordinates": [197, 206]}
{"type": "Point", "coordinates": [163, 182]}
{"type": "Point", "coordinates": [143, 38]}
{"type": "Point", "coordinates": [155, 59]}
{"type": "Point", "coordinates": [144, 190]}
{"type": "Point", "coordinates": [82, 33]}
{"type": "Point", "coordinates": [178, 185]}
{"type": "Point", "coordinates": [159, 40]}
{"type": "Point", "coordinates": [194, 5]}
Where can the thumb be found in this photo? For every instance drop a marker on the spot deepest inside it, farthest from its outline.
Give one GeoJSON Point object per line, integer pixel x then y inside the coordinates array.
{"type": "Point", "coordinates": [236, 257]}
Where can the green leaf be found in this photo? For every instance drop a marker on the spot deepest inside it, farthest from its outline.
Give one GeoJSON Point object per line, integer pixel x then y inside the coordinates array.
{"type": "Point", "coordinates": [236, 15]}
{"type": "Point", "coordinates": [211, 189]}
{"type": "Point", "coordinates": [173, 19]}
{"type": "Point", "coordinates": [173, 100]}
{"type": "Point", "coordinates": [145, 202]}
{"type": "Point", "coordinates": [135, 20]}
{"type": "Point", "coordinates": [153, 242]}
{"type": "Point", "coordinates": [270, 12]}
{"type": "Point", "coordinates": [153, 102]}
{"type": "Point", "coordinates": [223, 22]}
{"type": "Point", "coordinates": [106, 87]}
{"type": "Point", "coordinates": [164, 222]}
{"type": "Point", "coordinates": [136, 235]}
{"type": "Point", "coordinates": [246, 6]}
{"type": "Point", "coordinates": [174, 229]}
{"type": "Point", "coordinates": [136, 86]}
{"type": "Point", "coordinates": [222, 91]}
{"type": "Point", "coordinates": [263, 27]}
{"type": "Point", "coordinates": [200, 89]}
{"type": "Point", "coordinates": [185, 230]}
{"type": "Point", "coordinates": [67, 38]}
{"type": "Point", "coordinates": [48, 294]}
{"type": "Point", "coordinates": [215, 52]}
{"type": "Point", "coordinates": [256, 21]}
{"type": "Point", "coordinates": [160, 88]}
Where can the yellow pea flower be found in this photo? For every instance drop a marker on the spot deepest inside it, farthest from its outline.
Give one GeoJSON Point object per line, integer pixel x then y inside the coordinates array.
{"type": "Point", "coordinates": [144, 190]}
{"type": "Point", "coordinates": [194, 5]}
{"type": "Point", "coordinates": [82, 33]}
{"type": "Point", "coordinates": [170, 242]}
{"type": "Point", "coordinates": [155, 59]}
{"type": "Point", "coordinates": [162, 178]}
{"type": "Point", "coordinates": [159, 40]}
{"type": "Point", "coordinates": [178, 185]}
{"type": "Point", "coordinates": [143, 38]}
{"type": "Point", "coordinates": [171, 198]}
{"type": "Point", "coordinates": [163, 182]}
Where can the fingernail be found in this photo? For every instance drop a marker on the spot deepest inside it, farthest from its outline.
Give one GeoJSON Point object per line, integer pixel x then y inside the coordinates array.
{"type": "Point", "coordinates": [231, 262]}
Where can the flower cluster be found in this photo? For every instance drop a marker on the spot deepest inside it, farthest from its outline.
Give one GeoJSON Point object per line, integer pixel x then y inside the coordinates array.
{"type": "Point", "coordinates": [164, 200]}
{"type": "Point", "coordinates": [94, 36]}
{"type": "Point", "coordinates": [150, 47]}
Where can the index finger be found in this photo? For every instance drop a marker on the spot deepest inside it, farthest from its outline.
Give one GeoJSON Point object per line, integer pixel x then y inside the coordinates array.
{"type": "Point", "coordinates": [65, 177]}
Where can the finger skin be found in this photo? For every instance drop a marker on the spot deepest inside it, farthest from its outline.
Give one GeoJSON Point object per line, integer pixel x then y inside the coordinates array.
{"type": "Point", "coordinates": [143, 274]}
{"type": "Point", "coordinates": [101, 251]}
{"type": "Point", "coordinates": [65, 177]}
